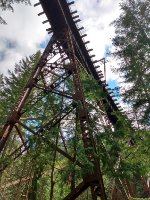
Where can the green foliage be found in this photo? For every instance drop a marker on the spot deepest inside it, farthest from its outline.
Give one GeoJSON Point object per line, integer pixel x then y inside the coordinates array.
{"type": "Point", "coordinates": [132, 50]}
{"type": "Point", "coordinates": [10, 87]}
{"type": "Point", "coordinates": [92, 90]}
{"type": "Point", "coordinates": [119, 159]}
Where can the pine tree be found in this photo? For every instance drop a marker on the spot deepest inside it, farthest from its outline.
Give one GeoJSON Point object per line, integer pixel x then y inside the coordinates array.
{"type": "Point", "coordinates": [132, 42]}
{"type": "Point", "coordinates": [45, 174]}
{"type": "Point", "coordinates": [11, 85]}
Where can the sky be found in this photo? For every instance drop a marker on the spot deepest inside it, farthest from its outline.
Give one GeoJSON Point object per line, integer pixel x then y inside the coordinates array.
{"type": "Point", "coordinates": [25, 34]}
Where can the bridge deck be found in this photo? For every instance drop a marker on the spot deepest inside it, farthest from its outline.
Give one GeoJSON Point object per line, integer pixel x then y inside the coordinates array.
{"type": "Point", "coordinates": [60, 18]}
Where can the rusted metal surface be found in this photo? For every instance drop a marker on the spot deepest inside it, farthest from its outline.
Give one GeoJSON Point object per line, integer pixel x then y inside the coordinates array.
{"type": "Point", "coordinates": [16, 113]}
{"type": "Point", "coordinates": [87, 136]}
{"type": "Point", "coordinates": [45, 82]}
{"type": "Point", "coordinates": [51, 72]}
{"type": "Point", "coordinates": [60, 19]}
{"type": "Point", "coordinates": [77, 191]}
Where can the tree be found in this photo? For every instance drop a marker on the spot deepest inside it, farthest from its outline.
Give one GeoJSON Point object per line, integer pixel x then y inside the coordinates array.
{"type": "Point", "coordinates": [8, 5]}
{"type": "Point", "coordinates": [132, 44]}
{"type": "Point", "coordinates": [46, 174]}
{"type": "Point", "coordinates": [11, 85]}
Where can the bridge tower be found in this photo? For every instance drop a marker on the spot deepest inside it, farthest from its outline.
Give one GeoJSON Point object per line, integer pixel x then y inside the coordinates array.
{"type": "Point", "coordinates": [64, 61]}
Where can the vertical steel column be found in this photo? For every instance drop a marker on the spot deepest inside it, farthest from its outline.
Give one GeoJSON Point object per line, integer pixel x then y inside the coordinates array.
{"type": "Point", "coordinates": [87, 136]}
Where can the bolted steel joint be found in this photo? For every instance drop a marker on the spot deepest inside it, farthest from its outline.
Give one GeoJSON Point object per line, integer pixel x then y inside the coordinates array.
{"type": "Point", "coordinates": [31, 83]}
{"type": "Point", "coordinates": [77, 96]}
{"type": "Point", "coordinates": [14, 117]}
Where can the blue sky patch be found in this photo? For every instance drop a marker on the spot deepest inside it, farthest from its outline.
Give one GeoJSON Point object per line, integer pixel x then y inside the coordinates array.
{"type": "Point", "coordinates": [107, 52]}
{"type": "Point", "coordinates": [44, 43]}
{"type": "Point", "coordinates": [113, 84]}
{"type": "Point", "coordinates": [2, 55]}
{"type": "Point", "coordinates": [10, 44]}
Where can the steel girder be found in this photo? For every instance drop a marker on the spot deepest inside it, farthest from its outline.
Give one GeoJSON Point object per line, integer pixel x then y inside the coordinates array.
{"type": "Point", "coordinates": [62, 59]}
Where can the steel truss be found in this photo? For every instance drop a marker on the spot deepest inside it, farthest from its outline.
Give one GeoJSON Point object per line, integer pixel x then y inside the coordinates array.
{"type": "Point", "coordinates": [60, 62]}
{"type": "Point", "coordinates": [49, 77]}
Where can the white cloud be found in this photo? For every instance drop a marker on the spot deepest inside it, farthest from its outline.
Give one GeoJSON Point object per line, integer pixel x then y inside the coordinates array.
{"type": "Point", "coordinates": [96, 18]}
{"type": "Point", "coordinates": [26, 29]}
